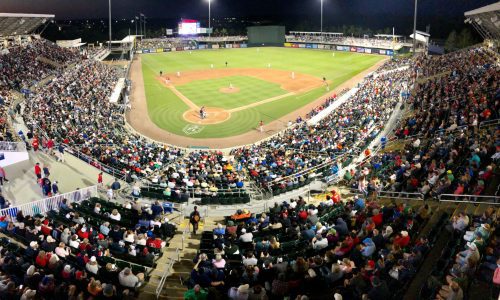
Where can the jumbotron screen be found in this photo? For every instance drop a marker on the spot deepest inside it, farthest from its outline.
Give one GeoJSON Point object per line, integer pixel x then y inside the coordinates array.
{"type": "Point", "coordinates": [189, 27]}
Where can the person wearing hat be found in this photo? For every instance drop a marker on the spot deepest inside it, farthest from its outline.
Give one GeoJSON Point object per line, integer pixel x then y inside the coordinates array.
{"type": "Point", "coordinates": [239, 293]}
{"type": "Point", "coordinates": [32, 250]}
{"type": "Point", "coordinates": [402, 239]}
{"type": "Point", "coordinates": [196, 293]}
{"type": "Point", "coordinates": [92, 265]}
{"type": "Point", "coordinates": [368, 247]}
{"type": "Point", "coordinates": [67, 272]}
{"type": "Point", "coordinates": [246, 237]}
{"type": "Point", "coordinates": [49, 245]}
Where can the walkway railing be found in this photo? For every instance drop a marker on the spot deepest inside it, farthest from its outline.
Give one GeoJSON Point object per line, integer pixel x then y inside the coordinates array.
{"type": "Point", "coordinates": [474, 199]}
{"type": "Point", "coordinates": [53, 203]}
{"type": "Point", "coordinates": [166, 273]}
{"type": "Point", "coordinates": [489, 123]}
{"type": "Point", "coordinates": [12, 146]}
{"type": "Point", "coordinates": [400, 195]}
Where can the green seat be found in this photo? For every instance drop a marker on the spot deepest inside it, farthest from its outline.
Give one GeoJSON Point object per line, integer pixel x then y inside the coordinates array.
{"type": "Point", "coordinates": [122, 264]}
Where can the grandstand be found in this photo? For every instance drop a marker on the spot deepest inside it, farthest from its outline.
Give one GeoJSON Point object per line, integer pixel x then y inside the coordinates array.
{"type": "Point", "coordinates": [387, 188]}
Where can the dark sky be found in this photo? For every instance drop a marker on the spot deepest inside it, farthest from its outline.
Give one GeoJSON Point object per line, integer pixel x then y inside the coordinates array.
{"type": "Point", "coordinates": [76, 9]}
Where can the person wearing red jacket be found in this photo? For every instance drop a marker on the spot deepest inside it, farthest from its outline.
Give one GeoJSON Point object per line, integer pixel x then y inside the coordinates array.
{"type": "Point", "coordinates": [35, 144]}
{"type": "Point", "coordinates": [402, 239]}
{"type": "Point", "coordinates": [335, 196]}
{"type": "Point", "coordinates": [38, 172]}
{"type": "Point", "coordinates": [377, 218]}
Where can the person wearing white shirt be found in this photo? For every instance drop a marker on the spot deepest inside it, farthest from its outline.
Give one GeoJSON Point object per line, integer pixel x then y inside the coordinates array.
{"type": "Point", "coordinates": [246, 237]}
{"type": "Point", "coordinates": [115, 215]}
{"type": "Point", "coordinates": [61, 250]}
{"type": "Point", "coordinates": [319, 242]}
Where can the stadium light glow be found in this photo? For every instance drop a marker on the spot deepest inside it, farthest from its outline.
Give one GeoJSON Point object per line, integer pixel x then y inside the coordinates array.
{"type": "Point", "coordinates": [209, 13]}
{"type": "Point", "coordinates": [321, 30]}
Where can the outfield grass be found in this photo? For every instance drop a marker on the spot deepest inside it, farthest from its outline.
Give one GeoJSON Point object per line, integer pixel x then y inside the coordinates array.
{"type": "Point", "coordinates": [206, 92]}
{"type": "Point", "coordinates": [166, 109]}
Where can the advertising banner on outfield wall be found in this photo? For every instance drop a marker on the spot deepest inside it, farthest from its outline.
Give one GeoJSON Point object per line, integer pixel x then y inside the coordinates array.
{"type": "Point", "coordinates": [166, 50]}
{"type": "Point", "coordinates": [228, 46]}
{"type": "Point", "coordinates": [390, 52]}
{"type": "Point", "coordinates": [159, 50]}
{"type": "Point", "coordinates": [321, 46]}
{"type": "Point", "coordinates": [215, 46]}
{"type": "Point", "coordinates": [382, 52]}
{"type": "Point", "coordinates": [236, 46]}
{"type": "Point", "coordinates": [145, 50]}
{"type": "Point", "coordinates": [360, 50]}
{"type": "Point", "coordinates": [302, 45]}
{"type": "Point", "coordinates": [368, 50]}
{"type": "Point", "coordinates": [244, 46]}
{"type": "Point", "coordinates": [288, 45]}
{"type": "Point", "coordinates": [201, 47]}
{"type": "Point", "coordinates": [353, 49]}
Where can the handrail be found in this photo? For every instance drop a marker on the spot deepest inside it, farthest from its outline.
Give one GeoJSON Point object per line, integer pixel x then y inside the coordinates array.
{"type": "Point", "coordinates": [52, 203]}
{"type": "Point", "coordinates": [166, 273]}
{"type": "Point", "coordinates": [400, 195]}
{"type": "Point", "coordinates": [493, 200]}
{"type": "Point", "coordinates": [489, 123]}
{"type": "Point", "coordinates": [12, 146]}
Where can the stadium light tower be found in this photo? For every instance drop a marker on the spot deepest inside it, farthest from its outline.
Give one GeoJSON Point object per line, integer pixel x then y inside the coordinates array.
{"type": "Point", "coordinates": [209, 13]}
{"type": "Point", "coordinates": [415, 29]}
{"type": "Point", "coordinates": [109, 10]}
{"type": "Point", "coordinates": [321, 16]}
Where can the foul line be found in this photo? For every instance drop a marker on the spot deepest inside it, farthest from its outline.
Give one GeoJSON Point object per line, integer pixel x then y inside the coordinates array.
{"type": "Point", "coordinates": [186, 100]}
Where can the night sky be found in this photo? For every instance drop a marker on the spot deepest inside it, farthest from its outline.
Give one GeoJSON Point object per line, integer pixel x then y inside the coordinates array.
{"type": "Point", "coordinates": [442, 15]}
{"type": "Point", "coordinates": [75, 9]}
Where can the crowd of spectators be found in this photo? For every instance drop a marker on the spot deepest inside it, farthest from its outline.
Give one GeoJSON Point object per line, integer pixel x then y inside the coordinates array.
{"type": "Point", "coordinates": [375, 42]}
{"type": "Point", "coordinates": [68, 254]}
{"type": "Point", "coordinates": [347, 129]}
{"type": "Point", "coordinates": [446, 152]}
{"type": "Point", "coordinates": [351, 249]}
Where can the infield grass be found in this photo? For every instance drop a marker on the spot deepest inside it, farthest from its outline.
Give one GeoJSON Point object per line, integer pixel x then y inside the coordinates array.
{"type": "Point", "coordinates": [166, 109]}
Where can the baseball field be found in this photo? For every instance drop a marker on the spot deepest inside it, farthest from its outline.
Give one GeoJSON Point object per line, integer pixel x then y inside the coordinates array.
{"type": "Point", "coordinates": [256, 84]}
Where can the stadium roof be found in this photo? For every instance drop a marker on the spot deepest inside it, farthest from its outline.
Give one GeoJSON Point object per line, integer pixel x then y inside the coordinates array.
{"type": "Point", "coordinates": [486, 20]}
{"type": "Point", "coordinates": [18, 24]}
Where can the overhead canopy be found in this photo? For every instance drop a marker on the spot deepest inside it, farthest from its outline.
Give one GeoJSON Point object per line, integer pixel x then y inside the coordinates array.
{"type": "Point", "coordinates": [422, 37]}
{"type": "Point", "coordinates": [486, 20]}
{"type": "Point", "coordinates": [388, 36]}
{"type": "Point", "coordinates": [19, 24]}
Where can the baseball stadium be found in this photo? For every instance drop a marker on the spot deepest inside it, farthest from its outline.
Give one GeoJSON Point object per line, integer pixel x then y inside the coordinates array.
{"type": "Point", "coordinates": [254, 151]}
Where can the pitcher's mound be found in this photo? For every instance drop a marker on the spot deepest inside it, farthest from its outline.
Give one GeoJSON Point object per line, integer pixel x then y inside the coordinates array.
{"type": "Point", "coordinates": [228, 90]}
{"type": "Point", "coordinates": [214, 115]}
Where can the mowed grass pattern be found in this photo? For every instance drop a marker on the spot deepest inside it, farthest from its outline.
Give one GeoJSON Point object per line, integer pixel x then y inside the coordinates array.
{"type": "Point", "coordinates": [166, 109]}
{"type": "Point", "coordinates": [206, 92]}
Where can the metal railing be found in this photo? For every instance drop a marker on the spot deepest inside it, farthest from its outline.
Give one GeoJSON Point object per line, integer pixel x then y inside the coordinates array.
{"type": "Point", "coordinates": [474, 199]}
{"type": "Point", "coordinates": [489, 123]}
{"type": "Point", "coordinates": [52, 203]}
{"type": "Point", "coordinates": [12, 147]}
{"type": "Point", "coordinates": [166, 273]}
{"type": "Point", "coordinates": [400, 195]}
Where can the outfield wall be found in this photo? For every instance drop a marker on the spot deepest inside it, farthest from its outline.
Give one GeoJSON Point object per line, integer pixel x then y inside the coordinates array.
{"type": "Point", "coordinates": [368, 50]}
{"type": "Point", "coordinates": [200, 46]}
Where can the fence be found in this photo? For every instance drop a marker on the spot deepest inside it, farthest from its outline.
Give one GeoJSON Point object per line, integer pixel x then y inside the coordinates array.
{"type": "Point", "coordinates": [12, 146]}
{"type": "Point", "coordinates": [52, 203]}
{"type": "Point", "coordinates": [474, 199]}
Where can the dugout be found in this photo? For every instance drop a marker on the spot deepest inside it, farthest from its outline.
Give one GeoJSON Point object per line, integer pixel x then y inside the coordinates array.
{"type": "Point", "coordinates": [262, 36]}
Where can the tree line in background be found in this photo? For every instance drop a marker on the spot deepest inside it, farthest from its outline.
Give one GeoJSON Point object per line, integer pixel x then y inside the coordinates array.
{"type": "Point", "coordinates": [460, 40]}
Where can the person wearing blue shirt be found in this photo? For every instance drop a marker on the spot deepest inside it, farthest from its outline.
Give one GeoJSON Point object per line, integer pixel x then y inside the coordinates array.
{"type": "Point", "coordinates": [55, 188]}
{"type": "Point", "coordinates": [157, 208]}
{"type": "Point", "coordinates": [368, 247]}
{"type": "Point", "coordinates": [220, 230]}
{"type": "Point", "coordinates": [359, 203]}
